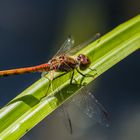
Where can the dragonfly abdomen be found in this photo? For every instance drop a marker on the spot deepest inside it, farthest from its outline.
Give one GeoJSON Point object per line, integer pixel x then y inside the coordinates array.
{"type": "Point", "coordinates": [39, 68]}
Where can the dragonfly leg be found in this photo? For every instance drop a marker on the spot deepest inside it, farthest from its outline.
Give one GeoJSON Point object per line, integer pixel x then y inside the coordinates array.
{"type": "Point", "coordinates": [76, 83]}
{"type": "Point", "coordinates": [93, 70]}
{"type": "Point", "coordinates": [85, 75]}
{"type": "Point", "coordinates": [72, 78]}
{"type": "Point", "coordinates": [50, 83]}
{"type": "Point", "coordinates": [49, 86]}
{"type": "Point", "coordinates": [60, 75]}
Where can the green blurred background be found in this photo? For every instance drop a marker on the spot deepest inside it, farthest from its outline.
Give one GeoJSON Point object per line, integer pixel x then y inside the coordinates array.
{"type": "Point", "coordinates": [32, 31]}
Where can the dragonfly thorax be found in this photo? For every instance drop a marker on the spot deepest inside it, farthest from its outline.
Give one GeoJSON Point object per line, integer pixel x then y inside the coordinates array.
{"type": "Point", "coordinates": [66, 63]}
{"type": "Point", "coordinates": [63, 63]}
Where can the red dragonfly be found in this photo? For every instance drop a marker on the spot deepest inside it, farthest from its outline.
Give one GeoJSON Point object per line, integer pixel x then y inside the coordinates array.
{"type": "Point", "coordinates": [60, 62]}
{"type": "Point", "coordinates": [63, 61]}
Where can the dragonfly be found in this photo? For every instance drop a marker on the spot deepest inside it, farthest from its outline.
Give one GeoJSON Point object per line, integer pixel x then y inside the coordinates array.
{"type": "Point", "coordinates": [64, 61]}
{"type": "Point", "coordinates": [61, 62]}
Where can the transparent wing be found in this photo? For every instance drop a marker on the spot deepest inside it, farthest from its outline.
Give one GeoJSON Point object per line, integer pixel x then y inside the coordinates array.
{"type": "Point", "coordinates": [66, 119]}
{"type": "Point", "coordinates": [90, 106]}
{"type": "Point", "coordinates": [66, 46]}
{"type": "Point", "coordinates": [79, 47]}
{"type": "Point", "coordinates": [69, 48]}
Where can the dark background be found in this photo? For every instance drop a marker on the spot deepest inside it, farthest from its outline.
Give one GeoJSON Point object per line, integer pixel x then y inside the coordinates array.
{"type": "Point", "coordinates": [30, 34]}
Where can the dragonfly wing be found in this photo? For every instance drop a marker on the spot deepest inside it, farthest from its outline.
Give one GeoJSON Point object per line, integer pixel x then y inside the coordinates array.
{"type": "Point", "coordinates": [90, 106]}
{"type": "Point", "coordinates": [66, 119]}
{"type": "Point", "coordinates": [66, 46]}
{"type": "Point", "coordinates": [69, 48]}
{"type": "Point", "coordinates": [79, 47]}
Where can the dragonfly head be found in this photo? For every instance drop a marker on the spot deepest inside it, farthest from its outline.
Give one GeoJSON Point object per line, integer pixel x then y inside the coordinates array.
{"type": "Point", "coordinates": [83, 61]}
